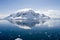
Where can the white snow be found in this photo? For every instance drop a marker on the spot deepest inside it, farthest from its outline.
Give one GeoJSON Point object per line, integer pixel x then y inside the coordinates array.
{"type": "Point", "coordinates": [27, 14]}
{"type": "Point", "coordinates": [24, 10]}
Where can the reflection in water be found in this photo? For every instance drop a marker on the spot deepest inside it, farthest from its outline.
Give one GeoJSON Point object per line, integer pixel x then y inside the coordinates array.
{"type": "Point", "coordinates": [52, 23]}
{"type": "Point", "coordinates": [42, 30]}
{"type": "Point", "coordinates": [27, 24]}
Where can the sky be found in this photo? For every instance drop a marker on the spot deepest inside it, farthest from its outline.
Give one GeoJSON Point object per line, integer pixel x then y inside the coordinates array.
{"type": "Point", "coordinates": [48, 7]}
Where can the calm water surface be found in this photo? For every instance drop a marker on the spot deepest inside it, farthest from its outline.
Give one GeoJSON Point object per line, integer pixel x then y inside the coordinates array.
{"type": "Point", "coordinates": [43, 30]}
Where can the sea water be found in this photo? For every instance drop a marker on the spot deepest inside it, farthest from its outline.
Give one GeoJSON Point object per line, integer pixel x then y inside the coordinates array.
{"type": "Point", "coordinates": [45, 30]}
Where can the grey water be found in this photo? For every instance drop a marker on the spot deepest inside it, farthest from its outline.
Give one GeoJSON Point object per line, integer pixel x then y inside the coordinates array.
{"type": "Point", "coordinates": [44, 30]}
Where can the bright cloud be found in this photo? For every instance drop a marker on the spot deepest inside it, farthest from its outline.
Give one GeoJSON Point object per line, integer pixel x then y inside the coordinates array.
{"type": "Point", "coordinates": [52, 13]}
{"type": "Point", "coordinates": [25, 9]}
{"type": "Point", "coordinates": [3, 15]}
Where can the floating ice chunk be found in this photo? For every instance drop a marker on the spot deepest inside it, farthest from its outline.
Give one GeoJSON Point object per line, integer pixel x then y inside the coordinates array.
{"type": "Point", "coordinates": [0, 32]}
{"type": "Point", "coordinates": [18, 35]}
{"type": "Point", "coordinates": [18, 39]}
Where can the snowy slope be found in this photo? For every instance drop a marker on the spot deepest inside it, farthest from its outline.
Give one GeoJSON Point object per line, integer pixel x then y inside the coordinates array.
{"type": "Point", "coordinates": [27, 14]}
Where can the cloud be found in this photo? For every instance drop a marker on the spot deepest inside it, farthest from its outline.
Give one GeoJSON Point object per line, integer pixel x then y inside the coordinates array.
{"type": "Point", "coordinates": [3, 15]}
{"type": "Point", "coordinates": [51, 13]}
{"type": "Point", "coordinates": [24, 10]}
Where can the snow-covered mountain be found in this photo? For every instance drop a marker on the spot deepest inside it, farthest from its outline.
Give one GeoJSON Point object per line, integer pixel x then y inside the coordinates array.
{"type": "Point", "coordinates": [27, 14]}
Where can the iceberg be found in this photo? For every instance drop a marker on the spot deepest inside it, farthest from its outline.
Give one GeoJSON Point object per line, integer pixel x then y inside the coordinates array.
{"type": "Point", "coordinates": [26, 18]}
